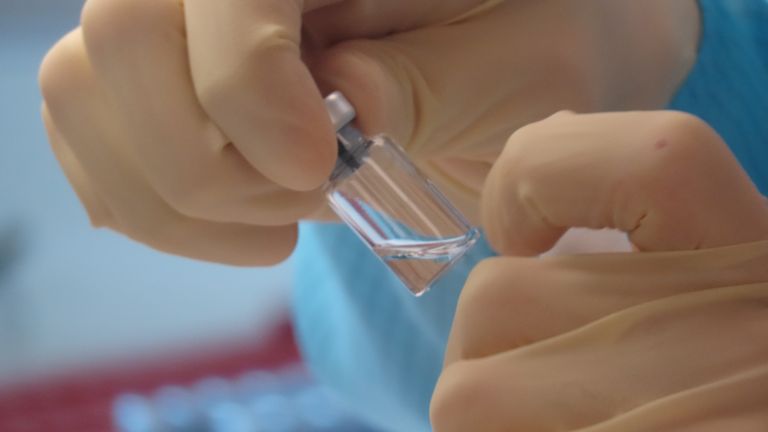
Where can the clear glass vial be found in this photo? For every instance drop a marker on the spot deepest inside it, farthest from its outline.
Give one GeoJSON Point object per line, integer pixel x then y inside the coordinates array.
{"type": "Point", "coordinates": [392, 206]}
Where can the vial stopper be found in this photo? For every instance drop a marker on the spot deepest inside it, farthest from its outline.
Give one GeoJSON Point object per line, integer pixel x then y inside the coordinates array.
{"type": "Point", "coordinates": [339, 109]}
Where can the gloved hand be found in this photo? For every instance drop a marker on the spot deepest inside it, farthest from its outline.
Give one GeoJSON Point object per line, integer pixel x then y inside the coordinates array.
{"type": "Point", "coordinates": [197, 126]}
{"type": "Point", "coordinates": [669, 338]}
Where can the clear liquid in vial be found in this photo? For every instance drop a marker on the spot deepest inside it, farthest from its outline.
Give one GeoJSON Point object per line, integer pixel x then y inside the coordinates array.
{"type": "Point", "coordinates": [420, 264]}
{"type": "Point", "coordinates": [400, 214]}
{"type": "Point", "coordinates": [445, 250]}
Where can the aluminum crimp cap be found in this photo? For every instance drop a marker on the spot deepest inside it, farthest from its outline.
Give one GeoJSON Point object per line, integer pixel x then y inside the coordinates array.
{"type": "Point", "coordinates": [339, 109]}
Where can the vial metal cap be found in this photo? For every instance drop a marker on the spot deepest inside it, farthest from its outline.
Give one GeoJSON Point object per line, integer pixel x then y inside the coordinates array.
{"type": "Point", "coordinates": [339, 109]}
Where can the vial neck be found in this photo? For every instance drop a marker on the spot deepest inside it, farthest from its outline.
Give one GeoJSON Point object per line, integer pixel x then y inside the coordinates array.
{"type": "Point", "coordinates": [353, 149]}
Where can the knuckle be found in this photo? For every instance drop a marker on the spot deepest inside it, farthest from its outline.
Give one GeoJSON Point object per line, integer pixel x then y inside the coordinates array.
{"type": "Point", "coordinates": [216, 86]}
{"type": "Point", "coordinates": [524, 135]}
{"type": "Point", "coordinates": [105, 21]}
{"type": "Point", "coordinates": [49, 76]}
{"type": "Point", "coordinates": [510, 158]}
{"type": "Point", "coordinates": [517, 159]}
{"type": "Point", "coordinates": [685, 136]}
{"type": "Point", "coordinates": [507, 168]}
{"type": "Point", "coordinates": [682, 124]}
{"type": "Point", "coordinates": [57, 73]}
{"type": "Point", "coordinates": [687, 148]}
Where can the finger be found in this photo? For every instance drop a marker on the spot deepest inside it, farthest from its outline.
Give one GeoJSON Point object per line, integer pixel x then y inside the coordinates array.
{"type": "Point", "coordinates": [665, 178]}
{"type": "Point", "coordinates": [311, 5]}
{"type": "Point", "coordinates": [83, 113]}
{"type": "Point", "coordinates": [612, 366]}
{"type": "Point", "coordinates": [509, 303]}
{"type": "Point", "coordinates": [411, 87]}
{"type": "Point", "coordinates": [138, 49]}
{"type": "Point", "coordinates": [345, 20]}
{"type": "Point", "coordinates": [98, 212]}
{"type": "Point", "coordinates": [733, 404]}
{"type": "Point", "coordinates": [249, 76]}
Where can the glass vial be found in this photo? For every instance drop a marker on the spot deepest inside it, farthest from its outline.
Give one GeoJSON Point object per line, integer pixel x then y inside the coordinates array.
{"type": "Point", "coordinates": [377, 191]}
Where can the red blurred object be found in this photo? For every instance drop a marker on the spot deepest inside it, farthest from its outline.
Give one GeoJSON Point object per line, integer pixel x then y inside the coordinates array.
{"type": "Point", "coordinates": [81, 402]}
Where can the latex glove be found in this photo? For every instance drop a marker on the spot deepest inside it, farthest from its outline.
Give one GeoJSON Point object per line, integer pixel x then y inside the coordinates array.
{"type": "Point", "coordinates": [197, 127]}
{"type": "Point", "coordinates": [669, 339]}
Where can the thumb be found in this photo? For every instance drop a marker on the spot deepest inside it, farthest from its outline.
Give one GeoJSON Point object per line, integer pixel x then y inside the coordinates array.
{"type": "Point", "coordinates": [379, 89]}
{"type": "Point", "coordinates": [423, 87]}
{"type": "Point", "coordinates": [665, 178]}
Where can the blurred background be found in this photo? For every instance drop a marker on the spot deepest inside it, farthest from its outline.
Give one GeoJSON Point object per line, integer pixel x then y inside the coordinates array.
{"type": "Point", "coordinates": [98, 333]}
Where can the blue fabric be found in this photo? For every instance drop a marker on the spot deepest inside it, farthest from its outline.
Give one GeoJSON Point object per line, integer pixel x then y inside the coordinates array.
{"type": "Point", "coordinates": [381, 348]}
{"type": "Point", "coordinates": [728, 87]}
{"type": "Point", "coordinates": [364, 333]}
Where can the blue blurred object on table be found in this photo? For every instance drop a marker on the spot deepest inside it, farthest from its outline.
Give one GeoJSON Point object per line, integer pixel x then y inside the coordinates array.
{"type": "Point", "coordinates": [286, 400]}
